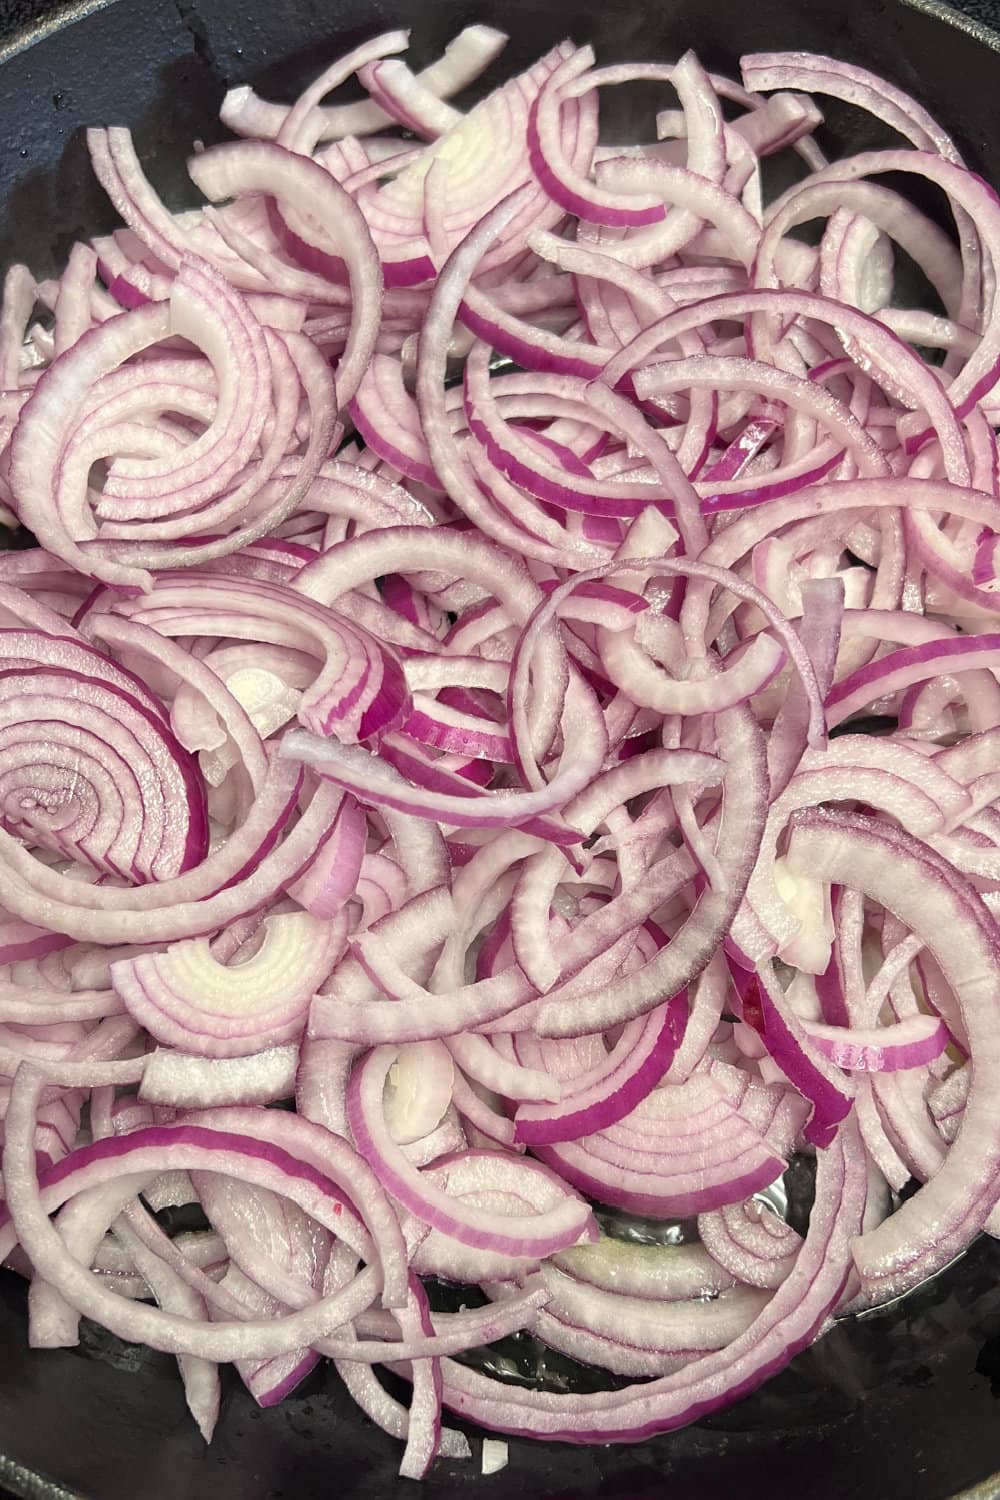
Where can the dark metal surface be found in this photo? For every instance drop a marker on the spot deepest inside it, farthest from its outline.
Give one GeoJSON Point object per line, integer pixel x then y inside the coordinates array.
{"type": "Point", "coordinates": [898, 1406]}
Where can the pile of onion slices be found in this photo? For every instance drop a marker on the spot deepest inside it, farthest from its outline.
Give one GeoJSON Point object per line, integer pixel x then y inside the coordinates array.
{"type": "Point", "coordinates": [502, 717]}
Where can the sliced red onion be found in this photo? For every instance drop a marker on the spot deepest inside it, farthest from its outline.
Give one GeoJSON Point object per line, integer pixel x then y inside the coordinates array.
{"type": "Point", "coordinates": [89, 768]}
{"type": "Point", "coordinates": [648, 1324]}
{"type": "Point", "coordinates": [251, 167]}
{"type": "Point", "coordinates": [612, 1090]}
{"type": "Point", "coordinates": [271, 1380]}
{"type": "Point", "coordinates": [186, 1080]}
{"type": "Point", "coordinates": [666, 1272]}
{"type": "Point", "coordinates": [910, 1043]}
{"type": "Point", "coordinates": [418, 1090]}
{"type": "Point", "coordinates": [572, 192]}
{"type": "Point", "coordinates": [581, 899]}
{"type": "Point", "coordinates": [267, 1237]}
{"type": "Point", "coordinates": [787, 1322]}
{"type": "Point", "coordinates": [564, 1221]}
{"type": "Point", "coordinates": [650, 1164]}
{"type": "Point", "coordinates": [464, 58]}
{"type": "Point", "coordinates": [946, 1101]}
{"type": "Point", "coordinates": [158, 1327]}
{"type": "Point", "coordinates": [935, 901]}
{"type": "Point", "coordinates": [751, 1242]}
{"type": "Point", "coordinates": [186, 998]}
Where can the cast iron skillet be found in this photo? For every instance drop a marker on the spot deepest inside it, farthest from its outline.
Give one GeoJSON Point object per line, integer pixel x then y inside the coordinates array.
{"type": "Point", "coordinates": [898, 1406]}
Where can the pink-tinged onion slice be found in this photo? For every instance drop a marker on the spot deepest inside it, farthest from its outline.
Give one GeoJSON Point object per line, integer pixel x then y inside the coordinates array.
{"type": "Point", "coordinates": [939, 904]}
{"type": "Point", "coordinates": [189, 1000]}
{"type": "Point", "coordinates": [910, 1043]}
{"type": "Point", "coordinates": [563, 1221]}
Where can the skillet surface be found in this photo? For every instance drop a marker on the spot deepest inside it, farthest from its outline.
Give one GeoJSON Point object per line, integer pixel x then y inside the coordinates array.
{"type": "Point", "coordinates": [899, 1406]}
